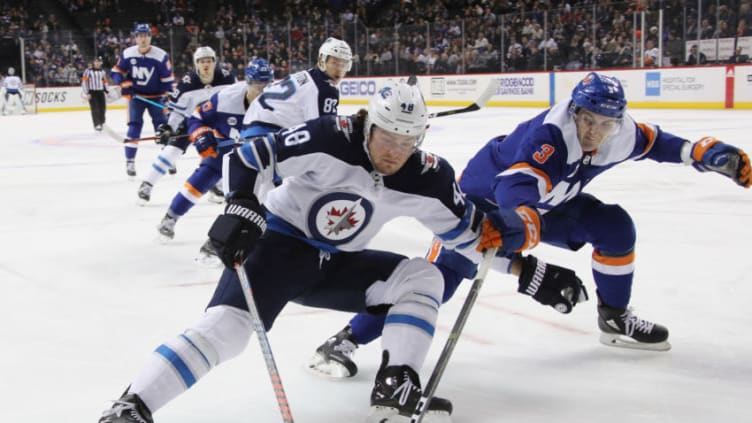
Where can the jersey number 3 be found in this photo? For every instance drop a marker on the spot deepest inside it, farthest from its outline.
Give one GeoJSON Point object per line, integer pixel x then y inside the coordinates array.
{"type": "Point", "coordinates": [543, 154]}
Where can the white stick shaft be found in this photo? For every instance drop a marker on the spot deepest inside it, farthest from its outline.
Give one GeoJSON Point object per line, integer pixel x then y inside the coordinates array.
{"type": "Point", "coordinates": [266, 348]}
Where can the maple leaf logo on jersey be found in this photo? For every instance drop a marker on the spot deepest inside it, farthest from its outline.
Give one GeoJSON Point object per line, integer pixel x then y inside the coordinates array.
{"type": "Point", "coordinates": [340, 220]}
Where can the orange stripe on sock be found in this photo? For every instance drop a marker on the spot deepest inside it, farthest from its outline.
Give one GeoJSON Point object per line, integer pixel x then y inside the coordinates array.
{"type": "Point", "coordinates": [191, 189]}
{"type": "Point", "coordinates": [614, 261]}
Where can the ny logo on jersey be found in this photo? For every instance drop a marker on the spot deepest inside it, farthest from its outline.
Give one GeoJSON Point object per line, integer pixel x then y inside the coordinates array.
{"type": "Point", "coordinates": [561, 193]}
{"type": "Point", "coordinates": [142, 75]}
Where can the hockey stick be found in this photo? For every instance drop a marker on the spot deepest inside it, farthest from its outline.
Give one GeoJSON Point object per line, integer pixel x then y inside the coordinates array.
{"type": "Point", "coordinates": [162, 106]}
{"type": "Point", "coordinates": [454, 335]}
{"type": "Point", "coordinates": [266, 348]}
{"type": "Point", "coordinates": [115, 136]}
{"type": "Point", "coordinates": [155, 137]}
{"type": "Point", "coordinates": [480, 102]}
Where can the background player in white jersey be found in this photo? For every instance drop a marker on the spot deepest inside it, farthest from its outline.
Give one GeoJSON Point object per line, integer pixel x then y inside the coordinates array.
{"type": "Point", "coordinates": [300, 97]}
{"type": "Point", "coordinates": [344, 178]}
{"type": "Point", "coordinates": [194, 88]}
{"type": "Point", "coordinates": [145, 71]}
{"type": "Point", "coordinates": [540, 171]}
{"type": "Point", "coordinates": [12, 93]}
{"type": "Point", "coordinates": [214, 128]}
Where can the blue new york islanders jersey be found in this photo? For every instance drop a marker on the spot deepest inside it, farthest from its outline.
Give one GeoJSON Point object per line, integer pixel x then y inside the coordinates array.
{"type": "Point", "coordinates": [541, 164]}
{"type": "Point", "coordinates": [222, 114]}
{"type": "Point", "coordinates": [148, 75]}
{"type": "Point", "coordinates": [333, 198]}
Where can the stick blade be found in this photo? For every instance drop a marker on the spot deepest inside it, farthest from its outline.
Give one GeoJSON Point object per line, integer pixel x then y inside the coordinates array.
{"type": "Point", "coordinates": [490, 90]}
{"type": "Point", "coordinates": [112, 134]}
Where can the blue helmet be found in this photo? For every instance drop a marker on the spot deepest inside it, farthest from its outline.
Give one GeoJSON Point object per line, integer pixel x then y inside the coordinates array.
{"type": "Point", "coordinates": [259, 70]}
{"type": "Point", "coordinates": [600, 94]}
{"type": "Point", "coordinates": [142, 28]}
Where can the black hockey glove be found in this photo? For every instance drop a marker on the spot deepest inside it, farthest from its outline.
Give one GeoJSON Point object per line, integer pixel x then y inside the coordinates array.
{"type": "Point", "coordinates": [164, 132]}
{"type": "Point", "coordinates": [234, 233]}
{"type": "Point", "coordinates": [551, 285]}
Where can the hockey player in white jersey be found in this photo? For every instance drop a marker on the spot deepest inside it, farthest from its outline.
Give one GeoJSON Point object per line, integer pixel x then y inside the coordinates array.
{"type": "Point", "coordinates": [300, 97]}
{"type": "Point", "coordinates": [12, 94]}
{"type": "Point", "coordinates": [344, 178]}
{"type": "Point", "coordinates": [194, 88]}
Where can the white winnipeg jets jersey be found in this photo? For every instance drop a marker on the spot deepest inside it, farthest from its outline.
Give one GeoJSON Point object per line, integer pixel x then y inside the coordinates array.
{"type": "Point", "coordinates": [331, 196]}
{"type": "Point", "coordinates": [300, 97]}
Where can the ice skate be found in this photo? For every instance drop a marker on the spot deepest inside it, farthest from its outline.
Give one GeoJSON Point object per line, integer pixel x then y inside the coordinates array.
{"type": "Point", "coordinates": [173, 170]}
{"type": "Point", "coordinates": [128, 409]}
{"type": "Point", "coordinates": [396, 393]}
{"type": "Point", "coordinates": [98, 128]}
{"type": "Point", "coordinates": [130, 168]}
{"type": "Point", "coordinates": [621, 328]}
{"type": "Point", "coordinates": [166, 227]}
{"type": "Point", "coordinates": [334, 357]}
{"type": "Point", "coordinates": [144, 192]}
{"type": "Point", "coordinates": [207, 255]}
{"type": "Point", "coordinates": [216, 195]}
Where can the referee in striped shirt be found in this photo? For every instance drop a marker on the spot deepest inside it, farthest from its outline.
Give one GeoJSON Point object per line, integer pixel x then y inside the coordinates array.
{"type": "Point", "coordinates": [94, 84]}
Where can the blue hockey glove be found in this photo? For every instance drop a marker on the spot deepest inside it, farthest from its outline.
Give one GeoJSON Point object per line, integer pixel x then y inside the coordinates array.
{"type": "Point", "coordinates": [206, 145]}
{"type": "Point", "coordinates": [710, 154]}
{"type": "Point", "coordinates": [551, 285]}
{"type": "Point", "coordinates": [511, 230]}
{"type": "Point", "coordinates": [126, 89]}
{"type": "Point", "coordinates": [234, 233]}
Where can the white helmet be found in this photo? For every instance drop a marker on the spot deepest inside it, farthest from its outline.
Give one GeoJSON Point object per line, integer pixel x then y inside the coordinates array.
{"type": "Point", "coordinates": [11, 71]}
{"type": "Point", "coordinates": [203, 53]}
{"type": "Point", "coordinates": [398, 108]}
{"type": "Point", "coordinates": [335, 48]}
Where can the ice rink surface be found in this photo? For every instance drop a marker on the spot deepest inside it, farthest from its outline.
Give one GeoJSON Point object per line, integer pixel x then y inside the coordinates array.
{"type": "Point", "coordinates": [87, 292]}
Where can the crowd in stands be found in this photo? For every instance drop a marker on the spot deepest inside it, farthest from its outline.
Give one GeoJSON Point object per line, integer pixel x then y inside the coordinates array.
{"type": "Point", "coordinates": [410, 36]}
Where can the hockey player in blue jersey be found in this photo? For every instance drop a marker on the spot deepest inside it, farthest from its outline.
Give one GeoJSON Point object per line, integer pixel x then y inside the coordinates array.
{"type": "Point", "coordinates": [142, 70]}
{"type": "Point", "coordinates": [213, 128]}
{"type": "Point", "coordinates": [306, 241]}
{"type": "Point", "coordinates": [535, 177]}
{"type": "Point", "coordinates": [195, 87]}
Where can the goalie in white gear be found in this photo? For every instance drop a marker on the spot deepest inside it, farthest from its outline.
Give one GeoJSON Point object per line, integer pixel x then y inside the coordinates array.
{"type": "Point", "coordinates": [344, 186]}
{"type": "Point", "coordinates": [12, 93]}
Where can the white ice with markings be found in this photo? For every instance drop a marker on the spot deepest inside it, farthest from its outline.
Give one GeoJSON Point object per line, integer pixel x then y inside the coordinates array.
{"type": "Point", "coordinates": [87, 292]}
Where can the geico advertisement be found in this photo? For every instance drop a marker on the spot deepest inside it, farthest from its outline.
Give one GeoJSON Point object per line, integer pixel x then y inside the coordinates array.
{"type": "Point", "coordinates": [357, 88]}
